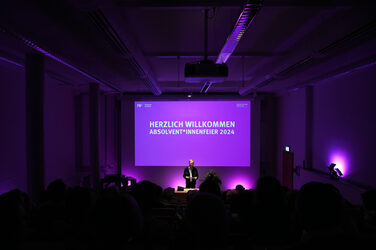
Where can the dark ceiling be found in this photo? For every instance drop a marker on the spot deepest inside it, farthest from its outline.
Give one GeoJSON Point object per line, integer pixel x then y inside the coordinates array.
{"type": "Point", "coordinates": [143, 45]}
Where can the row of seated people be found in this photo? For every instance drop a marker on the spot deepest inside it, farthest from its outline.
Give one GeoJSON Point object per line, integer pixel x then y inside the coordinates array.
{"type": "Point", "coordinates": [147, 217]}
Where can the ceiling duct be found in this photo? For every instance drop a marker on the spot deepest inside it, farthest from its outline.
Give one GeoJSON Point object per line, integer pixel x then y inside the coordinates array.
{"type": "Point", "coordinates": [358, 36]}
{"type": "Point", "coordinates": [56, 58]}
{"type": "Point", "coordinates": [347, 69]}
{"type": "Point", "coordinates": [113, 38]}
{"type": "Point", "coordinates": [245, 19]}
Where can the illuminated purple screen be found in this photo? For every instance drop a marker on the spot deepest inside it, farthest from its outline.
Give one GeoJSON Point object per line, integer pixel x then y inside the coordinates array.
{"type": "Point", "coordinates": [212, 133]}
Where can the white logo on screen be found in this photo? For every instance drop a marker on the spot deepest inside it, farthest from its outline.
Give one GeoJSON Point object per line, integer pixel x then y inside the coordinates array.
{"type": "Point", "coordinates": [139, 105]}
{"type": "Point", "coordinates": [241, 105]}
{"type": "Point", "coordinates": [147, 105]}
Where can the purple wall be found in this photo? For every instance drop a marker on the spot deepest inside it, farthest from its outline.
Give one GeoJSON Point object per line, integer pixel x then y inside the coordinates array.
{"type": "Point", "coordinates": [110, 134]}
{"type": "Point", "coordinates": [107, 134]}
{"type": "Point", "coordinates": [343, 129]}
{"type": "Point", "coordinates": [173, 176]}
{"type": "Point", "coordinates": [344, 125]}
{"type": "Point", "coordinates": [291, 126]}
{"type": "Point", "coordinates": [59, 131]}
{"type": "Point", "coordinates": [12, 128]}
{"type": "Point", "coordinates": [60, 138]}
{"type": "Point", "coordinates": [85, 133]}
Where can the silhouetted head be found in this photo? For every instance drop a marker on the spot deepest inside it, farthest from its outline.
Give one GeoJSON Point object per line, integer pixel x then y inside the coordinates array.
{"type": "Point", "coordinates": [210, 186]}
{"type": "Point", "coordinates": [145, 193]}
{"type": "Point", "coordinates": [319, 206]}
{"type": "Point", "coordinates": [369, 199]}
{"type": "Point", "coordinates": [56, 190]}
{"type": "Point", "coordinates": [79, 201]}
{"type": "Point", "coordinates": [239, 188]}
{"type": "Point", "coordinates": [191, 194]}
{"type": "Point", "coordinates": [117, 219]}
{"type": "Point", "coordinates": [168, 194]}
{"type": "Point", "coordinates": [12, 212]}
{"type": "Point", "coordinates": [158, 191]}
{"type": "Point", "coordinates": [230, 195]}
{"type": "Point", "coordinates": [369, 205]}
{"type": "Point", "coordinates": [207, 220]}
{"type": "Point", "coordinates": [268, 190]}
{"type": "Point", "coordinates": [244, 203]}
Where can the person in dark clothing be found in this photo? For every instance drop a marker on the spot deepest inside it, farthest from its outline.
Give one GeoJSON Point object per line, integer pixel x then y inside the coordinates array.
{"type": "Point", "coordinates": [190, 175]}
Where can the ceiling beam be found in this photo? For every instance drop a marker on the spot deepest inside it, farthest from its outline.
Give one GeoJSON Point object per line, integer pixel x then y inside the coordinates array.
{"type": "Point", "coordinates": [343, 70]}
{"type": "Point", "coordinates": [182, 84]}
{"type": "Point", "coordinates": [338, 47]}
{"type": "Point", "coordinates": [315, 3]}
{"type": "Point", "coordinates": [238, 3]}
{"type": "Point", "coordinates": [112, 23]}
{"type": "Point", "coordinates": [173, 54]}
{"type": "Point", "coordinates": [53, 56]}
{"type": "Point", "coordinates": [180, 3]}
{"type": "Point", "coordinates": [251, 8]}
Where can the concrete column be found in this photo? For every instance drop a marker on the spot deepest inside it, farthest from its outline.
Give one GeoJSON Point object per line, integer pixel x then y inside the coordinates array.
{"type": "Point", "coordinates": [309, 127]}
{"type": "Point", "coordinates": [34, 74]}
{"type": "Point", "coordinates": [94, 133]}
{"type": "Point", "coordinates": [118, 133]}
{"type": "Point", "coordinates": [78, 132]}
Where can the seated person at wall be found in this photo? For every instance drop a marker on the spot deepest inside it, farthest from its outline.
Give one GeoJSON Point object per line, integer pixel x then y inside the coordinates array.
{"type": "Point", "coordinates": [190, 175]}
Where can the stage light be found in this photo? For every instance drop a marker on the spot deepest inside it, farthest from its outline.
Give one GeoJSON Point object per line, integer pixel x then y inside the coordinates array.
{"type": "Point", "coordinates": [338, 172]}
{"type": "Point", "coordinates": [189, 95]}
{"type": "Point", "coordinates": [287, 149]}
{"type": "Point", "coordinates": [334, 173]}
{"type": "Point", "coordinates": [341, 158]}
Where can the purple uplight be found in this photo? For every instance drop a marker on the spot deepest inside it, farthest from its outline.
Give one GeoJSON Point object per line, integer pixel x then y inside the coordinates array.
{"type": "Point", "coordinates": [341, 160]}
{"type": "Point", "coordinates": [236, 180]}
{"type": "Point", "coordinates": [137, 176]}
{"type": "Point", "coordinates": [165, 176]}
{"type": "Point", "coordinates": [178, 182]}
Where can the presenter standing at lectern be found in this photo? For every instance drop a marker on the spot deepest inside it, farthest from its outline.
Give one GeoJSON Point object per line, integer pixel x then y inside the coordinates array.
{"type": "Point", "coordinates": [190, 175]}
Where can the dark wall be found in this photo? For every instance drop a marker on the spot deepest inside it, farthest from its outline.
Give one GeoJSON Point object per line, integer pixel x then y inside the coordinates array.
{"type": "Point", "coordinates": [343, 121]}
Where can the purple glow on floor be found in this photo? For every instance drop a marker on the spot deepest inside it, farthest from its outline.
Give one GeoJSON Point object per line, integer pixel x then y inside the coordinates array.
{"type": "Point", "coordinates": [341, 160]}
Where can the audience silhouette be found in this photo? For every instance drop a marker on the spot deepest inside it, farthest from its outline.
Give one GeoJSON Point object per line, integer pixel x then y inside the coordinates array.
{"type": "Point", "coordinates": [144, 216]}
